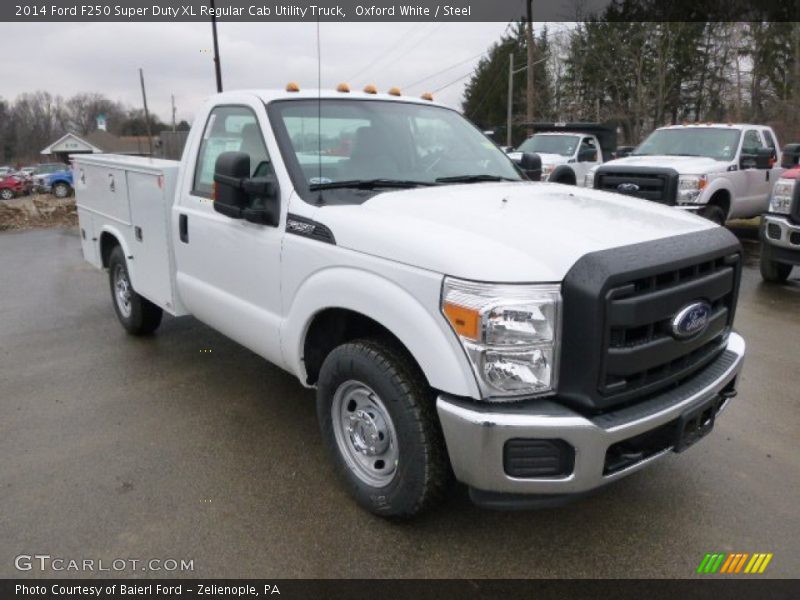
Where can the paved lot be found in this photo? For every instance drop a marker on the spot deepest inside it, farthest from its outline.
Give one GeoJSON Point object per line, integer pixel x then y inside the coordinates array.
{"type": "Point", "coordinates": [187, 446]}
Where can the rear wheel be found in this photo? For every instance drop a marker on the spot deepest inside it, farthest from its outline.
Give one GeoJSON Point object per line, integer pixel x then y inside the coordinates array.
{"type": "Point", "coordinates": [61, 190]}
{"type": "Point", "coordinates": [138, 315]}
{"type": "Point", "coordinates": [378, 421]}
{"type": "Point", "coordinates": [771, 271]}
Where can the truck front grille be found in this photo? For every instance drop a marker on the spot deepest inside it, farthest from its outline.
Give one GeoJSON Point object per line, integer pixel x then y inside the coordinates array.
{"type": "Point", "coordinates": [642, 355]}
{"type": "Point", "coordinates": [618, 346]}
{"type": "Point", "coordinates": [658, 185]}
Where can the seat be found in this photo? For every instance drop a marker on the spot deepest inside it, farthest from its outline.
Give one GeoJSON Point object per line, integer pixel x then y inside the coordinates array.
{"type": "Point", "coordinates": [371, 156]}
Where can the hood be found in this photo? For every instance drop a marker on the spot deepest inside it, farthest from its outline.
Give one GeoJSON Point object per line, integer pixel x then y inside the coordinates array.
{"type": "Point", "coordinates": [503, 232]}
{"type": "Point", "coordinates": [685, 165]}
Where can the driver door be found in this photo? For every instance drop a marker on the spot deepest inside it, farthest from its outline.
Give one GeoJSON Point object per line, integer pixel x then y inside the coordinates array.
{"type": "Point", "coordinates": [229, 269]}
{"type": "Point", "coordinates": [757, 188]}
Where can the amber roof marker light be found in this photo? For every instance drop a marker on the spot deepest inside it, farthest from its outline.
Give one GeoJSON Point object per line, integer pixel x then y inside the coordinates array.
{"type": "Point", "coordinates": [292, 86]}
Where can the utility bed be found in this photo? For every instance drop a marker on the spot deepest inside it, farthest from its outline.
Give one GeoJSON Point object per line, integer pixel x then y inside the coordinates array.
{"type": "Point", "coordinates": [130, 197]}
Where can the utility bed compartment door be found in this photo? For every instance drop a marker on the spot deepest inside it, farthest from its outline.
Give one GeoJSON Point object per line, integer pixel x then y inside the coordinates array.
{"type": "Point", "coordinates": [152, 260]}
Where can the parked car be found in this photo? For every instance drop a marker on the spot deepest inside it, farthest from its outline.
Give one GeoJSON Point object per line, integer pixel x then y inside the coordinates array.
{"type": "Point", "coordinates": [450, 314]}
{"type": "Point", "coordinates": [11, 186]}
{"type": "Point", "coordinates": [780, 228]}
{"type": "Point", "coordinates": [568, 151]}
{"type": "Point", "coordinates": [721, 171]}
{"type": "Point", "coordinates": [41, 175]}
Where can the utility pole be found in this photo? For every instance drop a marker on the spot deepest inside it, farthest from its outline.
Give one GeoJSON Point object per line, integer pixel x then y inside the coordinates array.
{"type": "Point", "coordinates": [217, 67]}
{"type": "Point", "coordinates": [173, 114]}
{"type": "Point", "coordinates": [146, 113]}
{"type": "Point", "coordinates": [510, 97]}
{"type": "Point", "coordinates": [531, 63]}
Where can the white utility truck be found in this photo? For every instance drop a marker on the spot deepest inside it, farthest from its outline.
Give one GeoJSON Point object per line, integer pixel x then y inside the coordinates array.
{"type": "Point", "coordinates": [534, 340]}
{"type": "Point", "coordinates": [568, 151]}
{"type": "Point", "coordinates": [719, 171]}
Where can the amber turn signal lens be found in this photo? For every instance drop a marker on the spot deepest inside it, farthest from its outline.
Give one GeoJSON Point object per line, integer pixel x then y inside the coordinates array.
{"type": "Point", "coordinates": [292, 87]}
{"type": "Point", "coordinates": [465, 321]}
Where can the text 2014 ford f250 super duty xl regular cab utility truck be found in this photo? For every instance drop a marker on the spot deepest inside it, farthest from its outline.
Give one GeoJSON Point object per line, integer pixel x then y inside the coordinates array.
{"type": "Point", "coordinates": [719, 171]}
{"type": "Point", "coordinates": [535, 340]}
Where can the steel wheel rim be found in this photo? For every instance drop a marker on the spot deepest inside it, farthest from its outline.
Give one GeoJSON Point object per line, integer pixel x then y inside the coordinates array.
{"type": "Point", "coordinates": [60, 191]}
{"type": "Point", "coordinates": [6, 194]}
{"type": "Point", "coordinates": [122, 291]}
{"type": "Point", "coordinates": [365, 433]}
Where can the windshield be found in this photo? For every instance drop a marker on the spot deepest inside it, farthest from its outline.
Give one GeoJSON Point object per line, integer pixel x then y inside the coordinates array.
{"type": "Point", "coordinates": [713, 142]}
{"type": "Point", "coordinates": [550, 144]}
{"type": "Point", "coordinates": [333, 143]}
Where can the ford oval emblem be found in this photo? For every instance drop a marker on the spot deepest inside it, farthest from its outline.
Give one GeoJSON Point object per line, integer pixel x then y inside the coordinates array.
{"type": "Point", "coordinates": [691, 320]}
{"type": "Point", "coordinates": [627, 188]}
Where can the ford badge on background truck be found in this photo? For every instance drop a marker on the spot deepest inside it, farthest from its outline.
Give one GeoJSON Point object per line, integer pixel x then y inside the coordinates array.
{"type": "Point", "coordinates": [719, 171]}
{"type": "Point", "coordinates": [534, 340]}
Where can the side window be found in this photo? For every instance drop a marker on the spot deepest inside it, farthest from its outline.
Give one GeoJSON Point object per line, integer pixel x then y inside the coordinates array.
{"type": "Point", "coordinates": [771, 144]}
{"type": "Point", "coordinates": [229, 129]}
{"type": "Point", "coordinates": [752, 142]}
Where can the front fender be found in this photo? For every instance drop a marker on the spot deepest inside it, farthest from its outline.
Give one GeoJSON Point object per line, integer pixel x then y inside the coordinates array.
{"type": "Point", "coordinates": [420, 328]}
{"type": "Point", "coordinates": [717, 184]}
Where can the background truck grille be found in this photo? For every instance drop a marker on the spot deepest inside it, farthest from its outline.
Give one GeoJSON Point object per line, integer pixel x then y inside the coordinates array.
{"type": "Point", "coordinates": [658, 185]}
{"type": "Point", "coordinates": [618, 347]}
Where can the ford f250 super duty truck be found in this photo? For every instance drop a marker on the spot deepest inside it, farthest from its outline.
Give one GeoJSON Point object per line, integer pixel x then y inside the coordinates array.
{"type": "Point", "coordinates": [719, 171]}
{"type": "Point", "coordinates": [568, 151]}
{"type": "Point", "coordinates": [780, 229]}
{"type": "Point", "coordinates": [534, 340]}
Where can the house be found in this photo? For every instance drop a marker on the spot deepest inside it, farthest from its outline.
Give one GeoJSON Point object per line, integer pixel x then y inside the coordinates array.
{"type": "Point", "coordinates": [98, 141]}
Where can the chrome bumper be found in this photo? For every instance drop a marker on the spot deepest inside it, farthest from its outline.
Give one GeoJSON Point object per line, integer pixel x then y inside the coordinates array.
{"type": "Point", "coordinates": [476, 434]}
{"type": "Point", "coordinates": [786, 231]}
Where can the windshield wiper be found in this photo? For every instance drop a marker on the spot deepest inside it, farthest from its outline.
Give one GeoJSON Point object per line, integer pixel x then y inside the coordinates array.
{"type": "Point", "coordinates": [472, 178]}
{"type": "Point", "coordinates": [369, 184]}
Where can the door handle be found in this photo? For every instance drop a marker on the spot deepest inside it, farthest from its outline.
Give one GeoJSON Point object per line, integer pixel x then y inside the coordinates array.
{"type": "Point", "coordinates": [183, 228]}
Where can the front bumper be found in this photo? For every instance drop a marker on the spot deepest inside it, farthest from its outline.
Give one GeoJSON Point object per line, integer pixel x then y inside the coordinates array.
{"type": "Point", "coordinates": [476, 434]}
{"type": "Point", "coordinates": [783, 237]}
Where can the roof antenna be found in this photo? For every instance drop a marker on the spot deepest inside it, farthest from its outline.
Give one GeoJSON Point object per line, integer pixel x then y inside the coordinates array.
{"type": "Point", "coordinates": [320, 200]}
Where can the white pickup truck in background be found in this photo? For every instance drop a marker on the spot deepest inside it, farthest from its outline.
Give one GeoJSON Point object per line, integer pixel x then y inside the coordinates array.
{"type": "Point", "coordinates": [536, 341]}
{"type": "Point", "coordinates": [721, 171]}
{"type": "Point", "coordinates": [568, 151]}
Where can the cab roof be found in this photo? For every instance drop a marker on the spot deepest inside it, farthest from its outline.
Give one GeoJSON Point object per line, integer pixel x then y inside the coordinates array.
{"type": "Point", "coordinates": [739, 126]}
{"type": "Point", "coordinates": [269, 95]}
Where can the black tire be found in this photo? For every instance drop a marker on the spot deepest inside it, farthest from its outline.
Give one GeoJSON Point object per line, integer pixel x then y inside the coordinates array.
{"type": "Point", "coordinates": [715, 214]}
{"type": "Point", "coordinates": [139, 316]}
{"type": "Point", "coordinates": [6, 194]}
{"type": "Point", "coordinates": [61, 190]}
{"type": "Point", "coordinates": [771, 271]}
{"type": "Point", "coordinates": [422, 471]}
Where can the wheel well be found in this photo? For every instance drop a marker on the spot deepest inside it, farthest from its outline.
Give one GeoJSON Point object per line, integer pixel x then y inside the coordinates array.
{"type": "Point", "coordinates": [333, 327]}
{"type": "Point", "coordinates": [721, 198]}
{"type": "Point", "coordinates": [107, 244]}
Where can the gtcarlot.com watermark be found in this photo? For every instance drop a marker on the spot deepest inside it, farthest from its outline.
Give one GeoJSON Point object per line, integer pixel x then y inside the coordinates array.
{"type": "Point", "coordinates": [57, 564]}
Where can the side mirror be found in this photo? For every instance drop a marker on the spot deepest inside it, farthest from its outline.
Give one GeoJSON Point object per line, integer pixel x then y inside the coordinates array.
{"type": "Point", "coordinates": [765, 158]}
{"type": "Point", "coordinates": [531, 165]}
{"type": "Point", "coordinates": [587, 155]}
{"type": "Point", "coordinates": [239, 196]}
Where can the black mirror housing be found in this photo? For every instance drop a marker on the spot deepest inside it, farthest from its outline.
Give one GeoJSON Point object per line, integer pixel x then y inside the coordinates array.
{"type": "Point", "coordinates": [588, 155]}
{"type": "Point", "coordinates": [531, 165]}
{"type": "Point", "coordinates": [764, 158]}
{"type": "Point", "coordinates": [230, 170]}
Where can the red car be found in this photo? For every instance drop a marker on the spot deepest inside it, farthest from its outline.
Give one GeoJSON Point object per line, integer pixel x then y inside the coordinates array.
{"type": "Point", "coordinates": [11, 185]}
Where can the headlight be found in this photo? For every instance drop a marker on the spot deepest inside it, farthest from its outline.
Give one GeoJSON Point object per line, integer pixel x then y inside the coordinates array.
{"type": "Point", "coordinates": [588, 179]}
{"type": "Point", "coordinates": [689, 187]}
{"type": "Point", "coordinates": [781, 199]}
{"type": "Point", "coordinates": [546, 170]}
{"type": "Point", "coordinates": [509, 332]}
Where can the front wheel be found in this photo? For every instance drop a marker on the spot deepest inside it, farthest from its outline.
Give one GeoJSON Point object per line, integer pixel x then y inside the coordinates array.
{"type": "Point", "coordinates": [138, 315]}
{"type": "Point", "coordinates": [715, 214]}
{"type": "Point", "coordinates": [378, 422]}
{"type": "Point", "coordinates": [6, 193]}
{"type": "Point", "coordinates": [771, 271]}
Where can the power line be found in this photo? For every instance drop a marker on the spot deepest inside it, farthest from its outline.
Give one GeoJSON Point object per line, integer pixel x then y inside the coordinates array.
{"type": "Point", "coordinates": [458, 64]}
{"type": "Point", "coordinates": [398, 44]}
{"type": "Point", "coordinates": [447, 85]}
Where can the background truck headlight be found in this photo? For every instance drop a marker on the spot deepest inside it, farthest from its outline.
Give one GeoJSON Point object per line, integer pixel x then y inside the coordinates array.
{"type": "Point", "coordinates": [781, 199]}
{"type": "Point", "coordinates": [546, 170]}
{"type": "Point", "coordinates": [509, 332]}
{"type": "Point", "coordinates": [690, 187]}
{"type": "Point", "coordinates": [588, 179]}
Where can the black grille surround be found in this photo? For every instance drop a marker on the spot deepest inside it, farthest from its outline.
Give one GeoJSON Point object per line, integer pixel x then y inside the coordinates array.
{"type": "Point", "coordinates": [794, 210]}
{"type": "Point", "coordinates": [655, 184]}
{"type": "Point", "coordinates": [617, 348]}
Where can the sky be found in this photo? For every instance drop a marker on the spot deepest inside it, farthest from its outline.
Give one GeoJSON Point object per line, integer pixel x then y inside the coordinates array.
{"type": "Point", "coordinates": [177, 58]}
